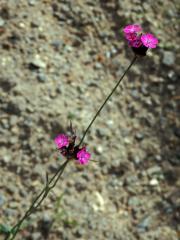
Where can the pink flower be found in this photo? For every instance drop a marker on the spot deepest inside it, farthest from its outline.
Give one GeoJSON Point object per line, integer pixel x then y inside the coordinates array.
{"type": "Point", "coordinates": [83, 156]}
{"type": "Point", "coordinates": [61, 140]}
{"type": "Point", "coordinates": [138, 41]}
{"type": "Point", "coordinates": [131, 36]}
{"type": "Point", "coordinates": [149, 40]}
{"type": "Point", "coordinates": [132, 28]}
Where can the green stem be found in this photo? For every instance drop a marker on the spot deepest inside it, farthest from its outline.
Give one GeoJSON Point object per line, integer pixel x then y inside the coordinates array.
{"type": "Point", "coordinates": [53, 181]}
{"type": "Point", "coordinates": [38, 200]}
{"type": "Point", "coordinates": [108, 97]}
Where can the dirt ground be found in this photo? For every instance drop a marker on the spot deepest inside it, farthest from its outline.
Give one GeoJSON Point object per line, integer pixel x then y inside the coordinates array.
{"type": "Point", "coordinates": [59, 60]}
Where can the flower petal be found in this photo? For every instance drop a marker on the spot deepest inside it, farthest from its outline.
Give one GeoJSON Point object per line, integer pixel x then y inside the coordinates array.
{"type": "Point", "coordinates": [61, 140]}
{"type": "Point", "coordinates": [131, 36]}
{"type": "Point", "coordinates": [133, 28]}
{"type": "Point", "coordinates": [149, 40]}
{"type": "Point", "coordinates": [83, 156]}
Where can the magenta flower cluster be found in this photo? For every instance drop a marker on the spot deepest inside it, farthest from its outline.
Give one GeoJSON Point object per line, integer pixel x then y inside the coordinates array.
{"type": "Point", "coordinates": [67, 147]}
{"type": "Point", "coordinates": [137, 40]}
{"type": "Point", "coordinates": [61, 141]}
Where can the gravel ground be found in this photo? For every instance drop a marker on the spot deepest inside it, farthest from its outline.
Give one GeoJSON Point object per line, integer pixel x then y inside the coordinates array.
{"type": "Point", "coordinates": [59, 59]}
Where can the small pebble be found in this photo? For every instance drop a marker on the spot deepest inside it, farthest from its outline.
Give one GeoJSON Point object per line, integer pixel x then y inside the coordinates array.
{"type": "Point", "coordinates": [37, 62]}
{"type": "Point", "coordinates": [154, 170]}
{"type": "Point", "coordinates": [139, 136]}
{"type": "Point", "coordinates": [154, 182]}
{"type": "Point", "coordinates": [2, 22]}
{"type": "Point", "coordinates": [32, 2]}
{"type": "Point", "coordinates": [172, 76]}
{"type": "Point", "coordinates": [42, 77]}
{"type": "Point", "coordinates": [168, 58]}
{"type": "Point", "coordinates": [2, 200]}
{"type": "Point", "coordinates": [144, 224]}
{"type": "Point", "coordinates": [99, 149]}
{"type": "Point", "coordinates": [134, 201]}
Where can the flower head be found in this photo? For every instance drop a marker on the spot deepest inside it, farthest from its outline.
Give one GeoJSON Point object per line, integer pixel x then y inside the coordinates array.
{"type": "Point", "coordinates": [149, 40]}
{"type": "Point", "coordinates": [139, 42]}
{"type": "Point", "coordinates": [83, 156]}
{"type": "Point", "coordinates": [70, 150]}
{"type": "Point", "coordinates": [134, 28]}
{"type": "Point", "coordinates": [61, 141]}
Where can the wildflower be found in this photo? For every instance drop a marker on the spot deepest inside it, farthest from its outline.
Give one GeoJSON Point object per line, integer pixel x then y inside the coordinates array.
{"type": "Point", "coordinates": [149, 40]}
{"type": "Point", "coordinates": [61, 140]}
{"type": "Point", "coordinates": [139, 43]}
{"type": "Point", "coordinates": [68, 148]}
{"type": "Point", "coordinates": [83, 156]}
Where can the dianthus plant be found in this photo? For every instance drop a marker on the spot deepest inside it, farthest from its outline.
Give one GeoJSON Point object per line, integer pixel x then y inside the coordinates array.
{"type": "Point", "coordinates": [66, 144]}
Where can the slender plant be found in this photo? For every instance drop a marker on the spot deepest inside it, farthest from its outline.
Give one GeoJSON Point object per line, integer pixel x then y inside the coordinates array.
{"type": "Point", "coordinates": [66, 145]}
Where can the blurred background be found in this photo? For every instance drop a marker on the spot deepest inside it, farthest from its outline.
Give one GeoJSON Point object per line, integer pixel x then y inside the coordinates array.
{"type": "Point", "coordinates": [58, 61]}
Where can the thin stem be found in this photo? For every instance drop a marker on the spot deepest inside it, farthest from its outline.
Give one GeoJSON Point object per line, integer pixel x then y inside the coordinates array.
{"type": "Point", "coordinates": [38, 200]}
{"type": "Point", "coordinates": [53, 181]}
{"type": "Point", "coordinates": [108, 97]}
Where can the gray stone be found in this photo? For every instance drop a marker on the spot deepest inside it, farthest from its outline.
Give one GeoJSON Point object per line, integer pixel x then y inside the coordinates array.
{"type": "Point", "coordinates": [30, 108]}
{"type": "Point", "coordinates": [37, 171]}
{"type": "Point", "coordinates": [98, 65]}
{"type": "Point", "coordinates": [99, 149]}
{"type": "Point", "coordinates": [13, 120]}
{"type": "Point", "coordinates": [92, 83]}
{"type": "Point", "coordinates": [158, 158]}
{"type": "Point", "coordinates": [131, 180]}
{"type": "Point", "coordinates": [8, 83]}
{"type": "Point", "coordinates": [57, 44]}
{"type": "Point", "coordinates": [144, 89]}
{"type": "Point", "coordinates": [103, 132]}
{"type": "Point", "coordinates": [171, 87]}
{"type": "Point", "coordinates": [6, 159]}
{"type": "Point", "coordinates": [154, 170]}
{"type": "Point", "coordinates": [37, 63]}
{"type": "Point", "coordinates": [5, 123]}
{"type": "Point", "coordinates": [139, 136]}
{"type": "Point", "coordinates": [135, 94]}
{"type": "Point", "coordinates": [2, 22]}
{"type": "Point", "coordinates": [53, 167]}
{"type": "Point", "coordinates": [32, 2]}
{"type": "Point", "coordinates": [46, 224]}
{"type": "Point", "coordinates": [134, 201]}
{"type": "Point", "coordinates": [168, 58]}
{"type": "Point", "coordinates": [46, 218]}
{"type": "Point", "coordinates": [2, 199]}
{"type": "Point", "coordinates": [13, 205]}
{"type": "Point", "coordinates": [172, 75]}
{"type": "Point", "coordinates": [10, 212]}
{"type": "Point", "coordinates": [42, 77]}
{"type": "Point", "coordinates": [153, 182]}
{"type": "Point", "coordinates": [16, 106]}
{"type": "Point", "coordinates": [144, 224]}
{"type": "Point", "coordinates": [137, 160]}
{"type": "Point", "coordinates": [35, 24]}
{"type": "Point", "coordinates": [80, 232]}
{"type": "Point", "coordinates": [108, 54]}
{"type": "Point", "coordinates": [36, 236]}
